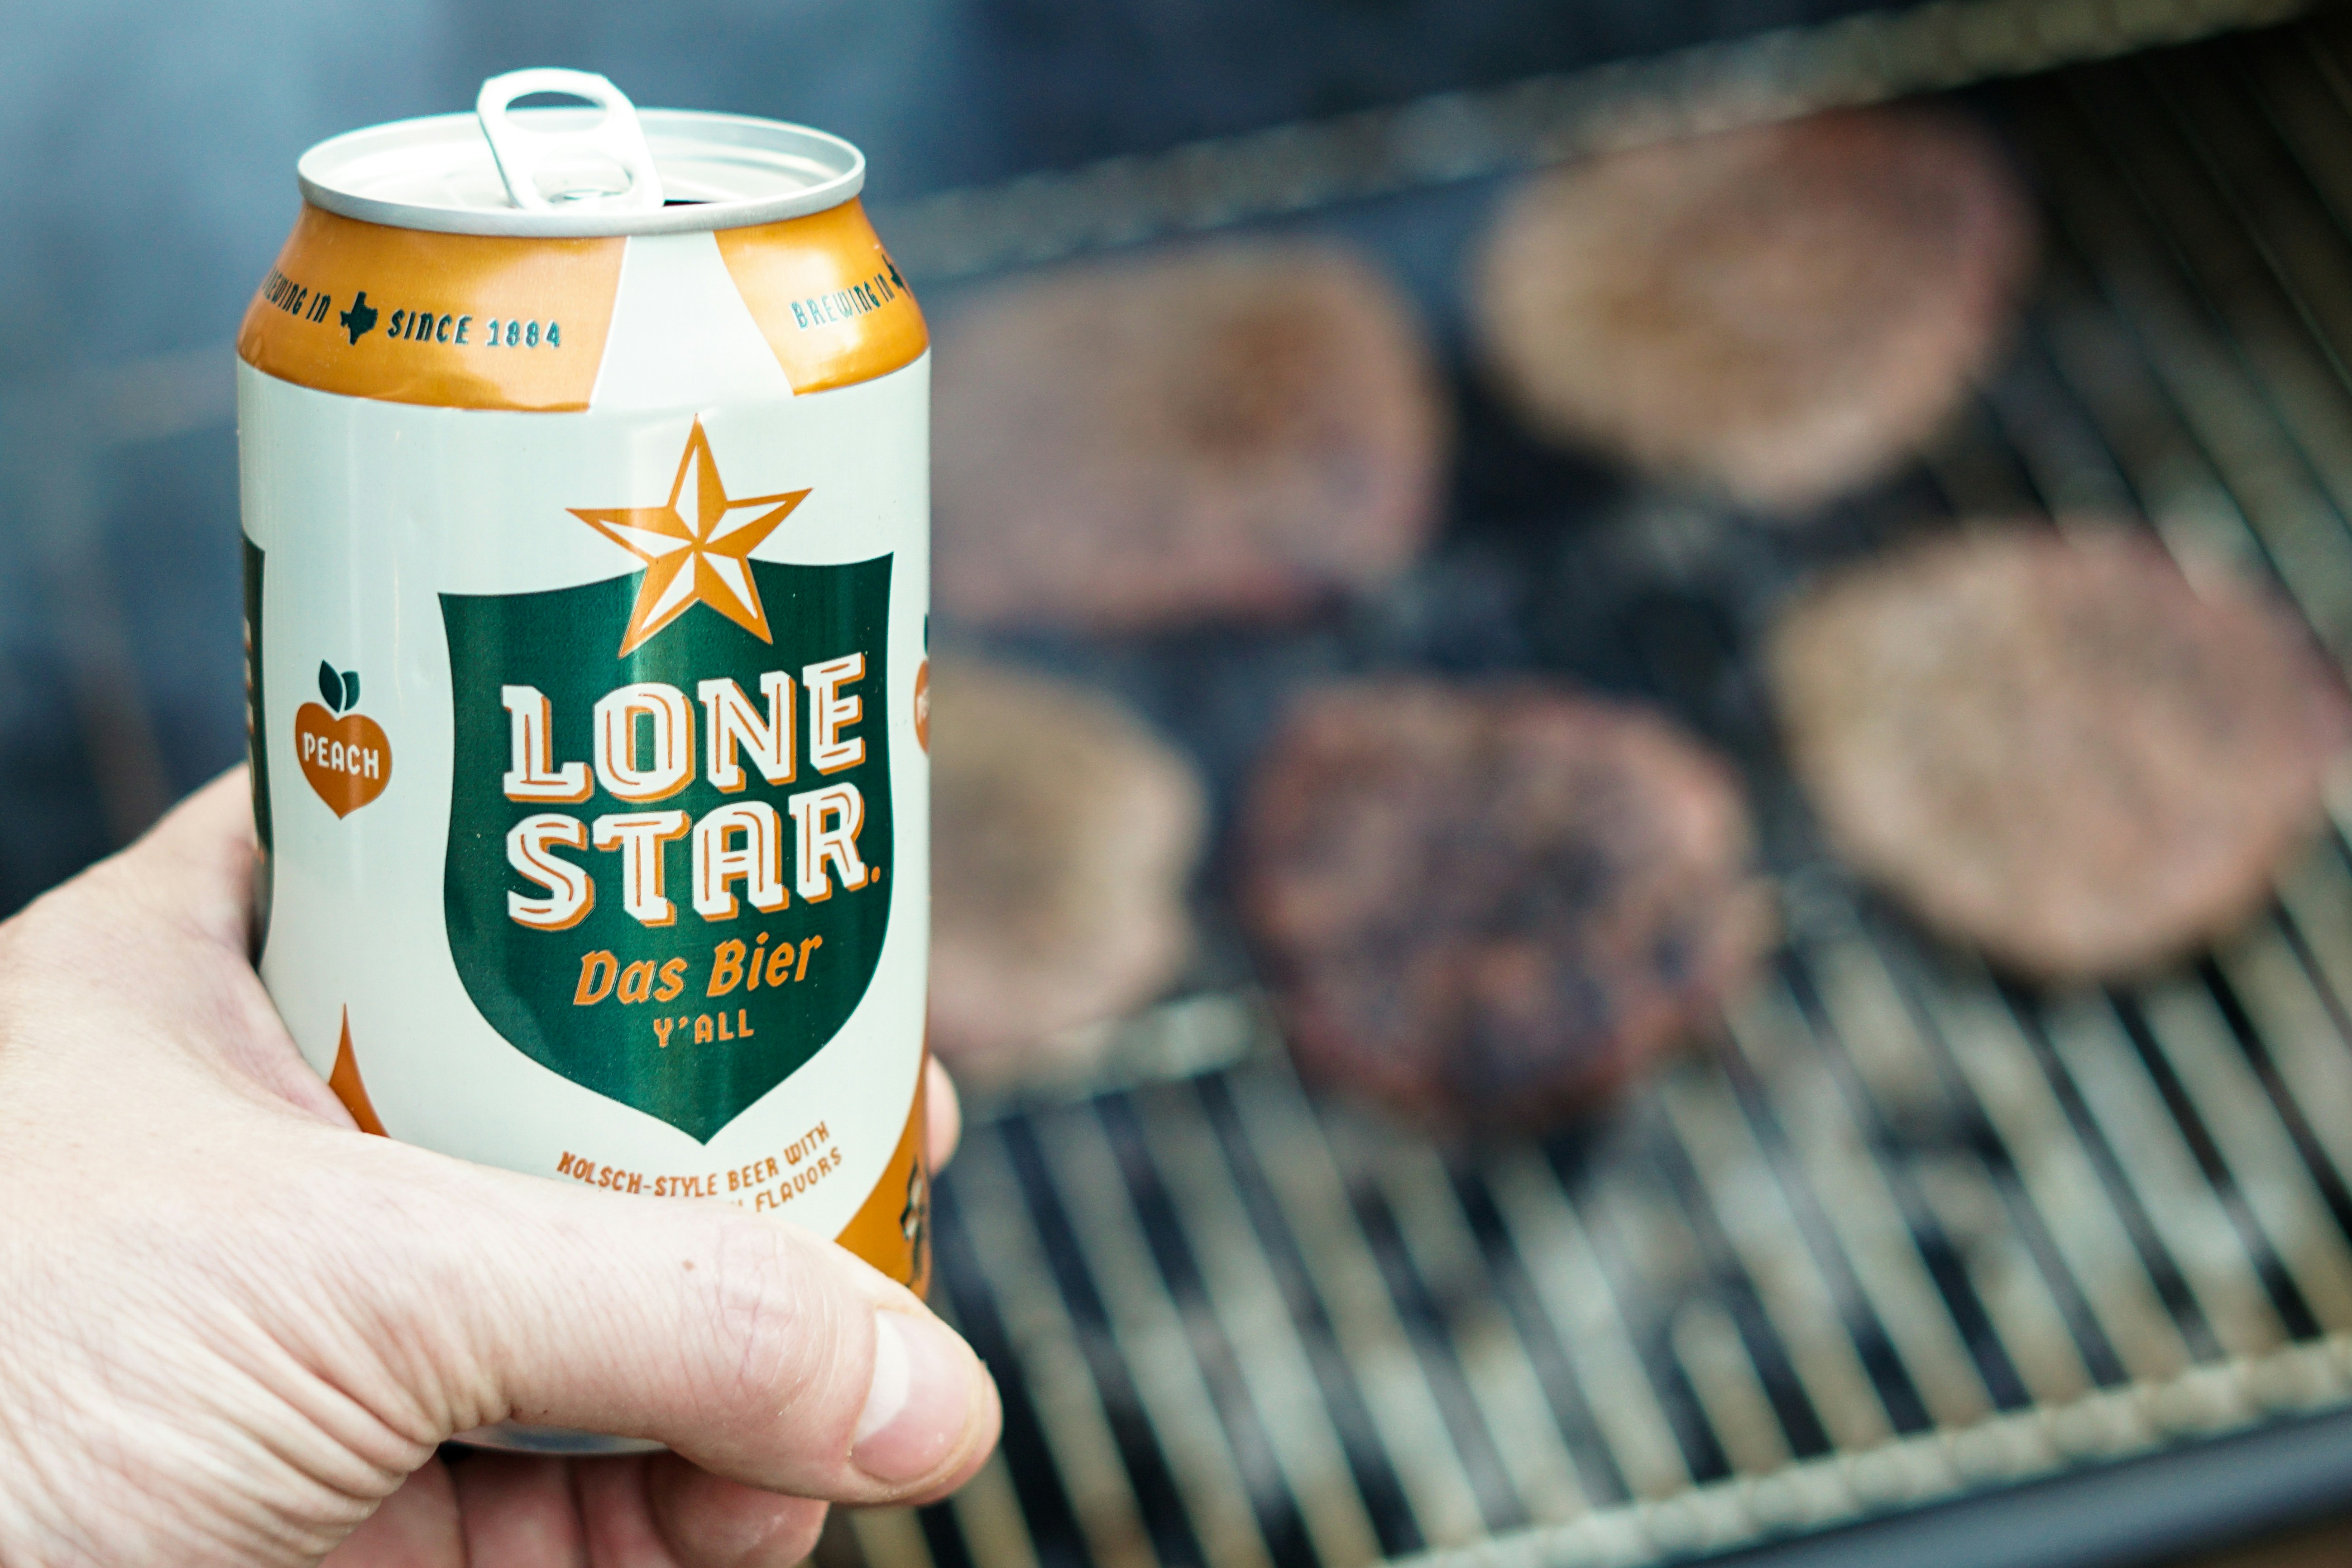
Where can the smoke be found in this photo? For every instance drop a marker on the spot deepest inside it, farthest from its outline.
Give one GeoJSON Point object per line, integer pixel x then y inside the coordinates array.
{"type": "Point", "coordinates": [147, 150]}
{"type": "Point", "coordinates": [147, 157]}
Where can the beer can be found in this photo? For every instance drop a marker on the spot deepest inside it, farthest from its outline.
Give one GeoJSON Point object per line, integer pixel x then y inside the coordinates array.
{"type": "Point", "coordinates": [585, 470]}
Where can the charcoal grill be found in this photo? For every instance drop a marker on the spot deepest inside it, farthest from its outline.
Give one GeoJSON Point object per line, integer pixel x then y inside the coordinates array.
{"type": "Point", "coordinates": [1916, 1266]}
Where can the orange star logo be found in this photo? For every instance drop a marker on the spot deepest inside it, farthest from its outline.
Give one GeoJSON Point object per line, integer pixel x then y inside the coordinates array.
{"type": "Point", "coordinates": [696, 546]}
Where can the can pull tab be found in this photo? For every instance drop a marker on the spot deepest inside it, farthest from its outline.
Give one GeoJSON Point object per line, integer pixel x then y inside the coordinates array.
{"type": "Point", "coordinates": [604, 164]}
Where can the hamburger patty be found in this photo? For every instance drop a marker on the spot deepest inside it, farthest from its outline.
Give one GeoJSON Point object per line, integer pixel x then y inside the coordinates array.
{"type": "Point", "coordinates": [1063, 833]}
{"type": "Point", "coordinates": [1237, 431]}
{"type": "Point", "coordinates": [1493, 905]}
{"type": "Point", "coordinates": [2055, 748]}
{"type": "Point", "coordinates": [1780, 313]}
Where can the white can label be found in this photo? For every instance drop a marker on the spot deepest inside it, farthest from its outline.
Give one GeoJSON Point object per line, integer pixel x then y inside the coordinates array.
{"type": "Point", "coordinates": [593, 782]}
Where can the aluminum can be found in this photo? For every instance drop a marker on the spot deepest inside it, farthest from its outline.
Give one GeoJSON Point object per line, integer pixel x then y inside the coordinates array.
{"type": "Point", "coordinates": [585, 473]}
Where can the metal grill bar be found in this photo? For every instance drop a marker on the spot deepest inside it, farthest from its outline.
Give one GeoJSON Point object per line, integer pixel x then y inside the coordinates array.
{"type": "Point", "coordinates": [1150, 1334]}
{"type": "Point", "coordinates": [2295, 1026]}
{"type": "Point", "coordinates": [2176, 1202]}
{"type": "Point", "coordinates": [989, 1520]}
{"type": "Point", "coordinates": [1869, 1020]}
{"type": "Point", "coordinates": [1584, 1312]}
{"type": "Point", "coordinates": [1715, 1358]}
{"type": "Point", "coordinates": [1824, 1139]}
{"type": "Point", "coordinates": [1910, 1233]}
{"type": "Point", "coordinates": [1256, 1322]}
{"type": "Point", "coordinates": [1545, 1485]}
{"type": "Point", "coordinates": [2215, 387]}
{"type": "Point", "coordinates": [2061, 1182]}
{"type": "Point", "coordinates": [1313, 1197]}
{"type": "Point", "coordinates": [1778, 1256]}
{"type": "Point", "coordinates": [2008, 1279]}
{"type": "Point", "coordinates": [989, 1207]}
{"type": "Point", "coordinates": [890, 1535]}
{"type": "Point", "coordinates": [1467, 135]}
{"type": "Point", "coordinates": [1644, 1240]}
{"type": "Point", "coordinates": [2266, 1170]}
{"type": "Point", "coordinates": [1955, 1193]}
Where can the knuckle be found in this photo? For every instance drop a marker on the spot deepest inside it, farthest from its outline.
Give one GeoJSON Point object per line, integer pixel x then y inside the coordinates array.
{"type": "Point", "coordinates": [795, 1539]}
{"type": "Point", "coordinates": [773, 1322]}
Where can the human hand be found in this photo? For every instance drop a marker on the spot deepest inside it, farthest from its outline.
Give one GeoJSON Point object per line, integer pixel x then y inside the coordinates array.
{"type": "Point", "coordinates": [233, 1328]}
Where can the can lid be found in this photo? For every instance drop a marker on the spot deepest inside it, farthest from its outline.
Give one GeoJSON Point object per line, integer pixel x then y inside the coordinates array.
{"type": "Point", "coordinates": [608, 169]}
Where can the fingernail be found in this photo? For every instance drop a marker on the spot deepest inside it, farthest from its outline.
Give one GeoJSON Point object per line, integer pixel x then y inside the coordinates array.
{"type": "Point", "coordinates": [920, 1402]}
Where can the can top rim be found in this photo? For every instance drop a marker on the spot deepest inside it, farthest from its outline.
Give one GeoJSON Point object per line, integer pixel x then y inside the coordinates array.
{"type": "Point", "coordinates": [721, 171]}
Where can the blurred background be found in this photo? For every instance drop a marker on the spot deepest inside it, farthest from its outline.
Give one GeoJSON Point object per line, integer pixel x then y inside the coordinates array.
{"type": "Point", "coordinates": [1919, 1260]}
{"type": "Point", "coordinates": [151, 180]}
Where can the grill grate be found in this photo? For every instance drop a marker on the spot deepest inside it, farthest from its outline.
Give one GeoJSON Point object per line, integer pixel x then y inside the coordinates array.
{"type": "Point", "coordinates": [1909, 1233]}
{"type": "Point", "coordinates": [1863, 59]}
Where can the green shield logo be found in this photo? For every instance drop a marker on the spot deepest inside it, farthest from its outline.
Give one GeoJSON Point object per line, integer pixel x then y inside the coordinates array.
{"type": "Point", "coordinates": [670, 870]}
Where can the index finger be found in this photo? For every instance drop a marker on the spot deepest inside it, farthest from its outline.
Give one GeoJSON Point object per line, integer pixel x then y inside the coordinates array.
{"type": "Point", "coordinates": [944, 1127]}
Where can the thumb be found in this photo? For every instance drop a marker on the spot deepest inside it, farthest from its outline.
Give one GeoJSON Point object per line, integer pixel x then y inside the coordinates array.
{"type": "Point", "coordinates": [760, 1351]}
{"type": "Point", "coordinates": [753, 1348]}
